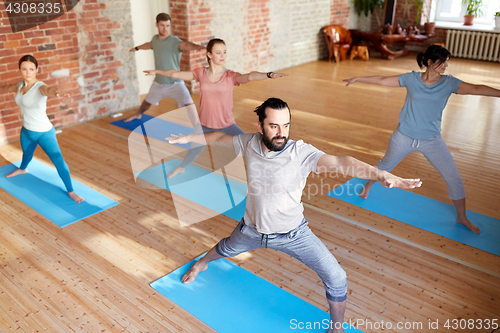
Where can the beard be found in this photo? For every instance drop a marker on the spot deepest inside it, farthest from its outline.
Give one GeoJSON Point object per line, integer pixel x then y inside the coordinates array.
{"type": "Point", "coordinates": [271, 144]}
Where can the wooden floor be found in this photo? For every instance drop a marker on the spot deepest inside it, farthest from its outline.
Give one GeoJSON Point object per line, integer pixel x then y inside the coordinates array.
{"type": "Point", "coordinates": [94, 275]}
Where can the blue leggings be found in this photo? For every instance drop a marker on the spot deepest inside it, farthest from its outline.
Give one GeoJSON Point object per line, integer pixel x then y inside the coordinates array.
{"type": "Point", "coordinates": [194, 152]}
{"type": "Point", "coordinates": [48, 141]}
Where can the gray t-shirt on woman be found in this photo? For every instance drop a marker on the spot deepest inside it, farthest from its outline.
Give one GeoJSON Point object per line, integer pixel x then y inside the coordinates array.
{"type": "Point", "coordinates": [275, 182]}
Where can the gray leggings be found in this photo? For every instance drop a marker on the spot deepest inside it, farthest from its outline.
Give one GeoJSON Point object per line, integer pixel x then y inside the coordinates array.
{"type": "Point", "coordinates": [196, 150]}
{"type": "Point", "coordinates": [434, 150]}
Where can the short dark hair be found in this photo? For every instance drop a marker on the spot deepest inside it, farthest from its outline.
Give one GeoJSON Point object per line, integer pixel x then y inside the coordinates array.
{"type": "Point", "coordinates": [273, 103]}
{"type": "Point", "coordinates": [29, 58]}
{"type": "Point", "coordinates": [436, 53]}
{"type": "Point", "coordinates": [163, 17]}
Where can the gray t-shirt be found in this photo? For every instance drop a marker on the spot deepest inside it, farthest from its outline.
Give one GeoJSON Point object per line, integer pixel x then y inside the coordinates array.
{"type": "Point", "coordinates": [275, 182]}
{"type": "Point", "coordinates": [167, 56]}
{"type": "Point", "coordinates": [421, 115]}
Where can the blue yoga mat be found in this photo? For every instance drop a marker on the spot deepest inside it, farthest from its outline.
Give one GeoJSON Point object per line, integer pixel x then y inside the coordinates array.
{"type": "Point", "coordinates": [156, 128]}
{"type": "Point", "coordinates": [230, 299]}
{"type": "Point", "coordinates": [43, 190]}
{"type": "Point", "coordinates": [206, 188]}
{"type": "Point", "coordinates": [424, 213]}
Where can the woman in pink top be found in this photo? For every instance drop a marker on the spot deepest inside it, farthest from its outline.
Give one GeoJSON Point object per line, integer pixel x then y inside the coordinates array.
{"type": "Point", "coordinates": [216, 94]}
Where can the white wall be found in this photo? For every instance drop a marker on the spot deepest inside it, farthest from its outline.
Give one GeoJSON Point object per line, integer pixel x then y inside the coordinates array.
{"type": "Point", "coordinates": [143, 21]}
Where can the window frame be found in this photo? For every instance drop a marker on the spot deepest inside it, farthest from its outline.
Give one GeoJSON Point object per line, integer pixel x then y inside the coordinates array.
{"type": "Point", "coordinates": [485, 19]}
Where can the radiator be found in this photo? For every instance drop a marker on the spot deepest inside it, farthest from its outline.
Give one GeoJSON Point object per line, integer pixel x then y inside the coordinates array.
{"type": "Point", "coordinates": [473, 44]}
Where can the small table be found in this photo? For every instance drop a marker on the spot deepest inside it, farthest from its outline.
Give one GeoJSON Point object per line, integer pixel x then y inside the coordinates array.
{"type": "Point", "coordinates": [380, 41]}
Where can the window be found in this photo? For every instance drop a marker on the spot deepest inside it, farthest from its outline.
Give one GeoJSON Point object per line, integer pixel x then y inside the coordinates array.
{"type": "Point", "coordinates": [454, 11]}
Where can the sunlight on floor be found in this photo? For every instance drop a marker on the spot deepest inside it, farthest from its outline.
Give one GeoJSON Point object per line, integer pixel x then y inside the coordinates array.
{"type": "Point", "coordinates": [353, 148]}
{"type": "Point", "coordinates": [304, 115]}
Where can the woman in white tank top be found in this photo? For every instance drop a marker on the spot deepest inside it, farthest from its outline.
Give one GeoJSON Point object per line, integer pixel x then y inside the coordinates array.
{"type": "Point", "coordinates": [31, 96]}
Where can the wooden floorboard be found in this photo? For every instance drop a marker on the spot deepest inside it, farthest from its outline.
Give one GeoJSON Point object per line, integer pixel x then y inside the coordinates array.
{"type": "Point", "coordinates": [94, 275]}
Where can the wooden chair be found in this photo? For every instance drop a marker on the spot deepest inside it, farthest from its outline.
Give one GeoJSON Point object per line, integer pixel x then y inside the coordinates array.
{"type": "Point", "coordinates": [338, 40]}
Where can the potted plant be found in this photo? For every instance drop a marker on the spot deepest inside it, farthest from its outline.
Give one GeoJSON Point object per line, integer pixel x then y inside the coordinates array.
{"type": "Point", "coordinates": [473, 10]}
{"type": "Point", "coordinates": [497, 20]}
{"type": "Point", "coordinates": [368, 6]}
{"type": "Point", "coordinates": [421, 10]}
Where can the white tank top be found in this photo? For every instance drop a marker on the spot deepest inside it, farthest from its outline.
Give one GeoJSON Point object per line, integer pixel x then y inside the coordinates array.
{"type": "Point", "coordinates": [33, 108]}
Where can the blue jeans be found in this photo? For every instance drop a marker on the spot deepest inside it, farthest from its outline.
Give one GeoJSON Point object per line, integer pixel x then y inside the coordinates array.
{"type": "Point", "coordinates": [301, 243]}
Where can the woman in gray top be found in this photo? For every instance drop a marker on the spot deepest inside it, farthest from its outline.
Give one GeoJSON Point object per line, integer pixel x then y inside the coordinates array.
{"type": "Point", "coordinates": [419, 128]}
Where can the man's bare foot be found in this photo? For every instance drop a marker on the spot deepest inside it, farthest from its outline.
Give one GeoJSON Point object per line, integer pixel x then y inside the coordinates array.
{"type": "Point", "coordinates": [468, 224]}
{"type": "Point", "coordinates": [366, 190]}
{"type": "Point", "coordinates": [17, 172]}
{"type": "Point", "coordinates": [193, 272]}
{"type": "Point", "coordinates": [76, 197]}
{"type": "Point", "coordinates": [135, 116]}
{"type": "Point", "coordinates": [174, 173]}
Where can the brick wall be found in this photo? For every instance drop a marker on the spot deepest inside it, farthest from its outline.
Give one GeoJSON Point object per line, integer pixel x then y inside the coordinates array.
{"type": "Point", "coordinates": [406, 16]}
{"type": "Point", "coordinates": [84, 53]}
{"type": "Point", "coordinates": [340, 13]}
{"type": "Point", "coordinates": [260, 35]}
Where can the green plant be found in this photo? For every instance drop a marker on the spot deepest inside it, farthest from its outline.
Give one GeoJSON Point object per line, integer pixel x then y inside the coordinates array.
{"type": "Point", "coordinates": [368, 6]}
{"type": "Point", "coordinates": [473, 7]}
{"type": "Point", "coordinates": [421, 10]}
{"type": "Point", "coordinates": [419, 4]}
{"type": "Point", "coordinates": [497, 14]}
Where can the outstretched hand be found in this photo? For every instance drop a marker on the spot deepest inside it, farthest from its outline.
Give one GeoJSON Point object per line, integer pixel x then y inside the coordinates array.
{"type": "Point", "coordinates": [60, 94]}
{"type": "Point", "coordinates": [277, 75]}
{"type": "Point", "coordinates": [349, 81]}
{"type": "Point", "coordinates": [177, 139]}
{"type": "Point", "coordinates": [390, 181]}
{"type": "Point", "coordinates": [150, 72]}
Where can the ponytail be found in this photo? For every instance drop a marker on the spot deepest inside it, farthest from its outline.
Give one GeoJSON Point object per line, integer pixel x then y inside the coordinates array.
{"type": "Point", "coordinates": [420, 60]}
{"type": "Point", "coordinates": [436, 53]}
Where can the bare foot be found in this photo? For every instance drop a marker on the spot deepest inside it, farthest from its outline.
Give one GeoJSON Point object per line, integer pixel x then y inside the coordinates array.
{"type": "Point", "coordinates": [75, 197]}
{"type": "Point", "coordinates": [468, 224]}
{"type": "Point", "coordinates": [194, 271]}
{"type": "Point", "coordinates": [135, 116]}
{"type": "Point", "coordinates": [366, 189]}
{"type": "Point", "coordinates": [174, 173]}
{"type": "Point", "coordinates": [17, 172]}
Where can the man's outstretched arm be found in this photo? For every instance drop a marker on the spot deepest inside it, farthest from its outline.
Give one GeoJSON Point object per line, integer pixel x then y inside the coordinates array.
{"type": "Point", "coordinates": [188, 46]}
{"type": "Point", "coordinates": [349, 166]}
{"type": "Point", "coordinates": [216, 136]}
